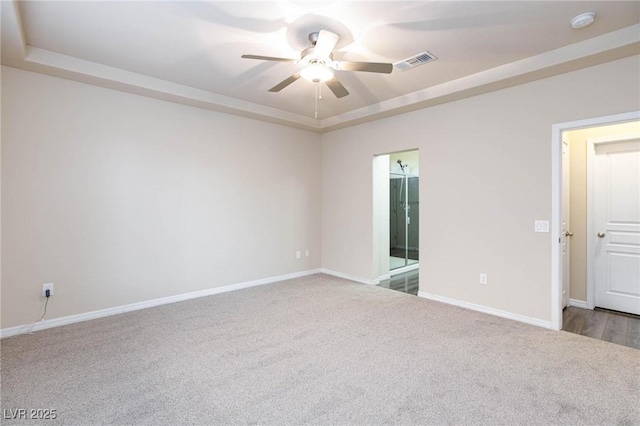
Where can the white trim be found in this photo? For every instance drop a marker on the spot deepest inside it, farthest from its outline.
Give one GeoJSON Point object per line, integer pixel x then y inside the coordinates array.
{"type": "Point", "coordinates": [86, 316]}
{"type": "Point", "coordinates": [556, 202]}
{"type": "Point", "coordinates": [404, 269]}
{"type": "Point", "coordinates": [591, 157]}
{"type": "Point", "coordinates": [578, 303]}
{"type": "Point", "coordinates": [374, 281]}
{"type": "Point", "coordinates": [383, 278]}
{"type": "Point", "coordinates": [485, 309]}
{"type": "Point", "coordinates": [556, 225]}
{"type": "Point", "coordinates": [566, 218]}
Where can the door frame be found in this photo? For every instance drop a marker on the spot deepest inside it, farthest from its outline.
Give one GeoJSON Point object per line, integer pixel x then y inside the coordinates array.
{"type": "Point", "coordinates": [566, 218]}
{"type": "Point", "coordinates": [591, 205]}
{"type": "Point", "coordinates": [556, 200]}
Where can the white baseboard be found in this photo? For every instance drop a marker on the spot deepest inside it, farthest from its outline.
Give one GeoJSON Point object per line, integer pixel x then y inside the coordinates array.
{"type": "Point", "coordinates": [350, 277]}
{"type": "Point", "coordinates": [383, 278]}
{"type": "Point", "coordinates": [486, 310]}
{"type": "Point", "coordinates": [578, 303]}
{"type": "Point", "coordinates": [86, 316]}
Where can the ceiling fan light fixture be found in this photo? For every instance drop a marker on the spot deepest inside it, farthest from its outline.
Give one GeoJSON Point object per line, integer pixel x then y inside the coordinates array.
{"type": "Point", "coordinates": [316, 73]}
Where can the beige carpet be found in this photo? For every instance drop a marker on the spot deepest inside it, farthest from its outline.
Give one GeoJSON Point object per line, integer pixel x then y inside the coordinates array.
{"type": "Point", "coordinates": [317, 350]}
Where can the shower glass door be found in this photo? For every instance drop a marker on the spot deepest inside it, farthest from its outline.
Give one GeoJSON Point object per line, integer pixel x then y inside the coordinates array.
{"type": "Point", "coordinates": [403, 220]}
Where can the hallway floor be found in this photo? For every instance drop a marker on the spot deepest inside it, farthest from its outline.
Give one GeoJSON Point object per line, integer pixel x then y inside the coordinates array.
{"type": "Point", "coordinates": [622, 329]}
{"type": "Point", "coordinates": [406, 282]}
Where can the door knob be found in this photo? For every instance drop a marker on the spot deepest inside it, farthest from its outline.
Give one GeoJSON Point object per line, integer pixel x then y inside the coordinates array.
{"type": "Point", "coordinates": [601, 234]}
{"type": "Point", "coordinates": [568, 234]}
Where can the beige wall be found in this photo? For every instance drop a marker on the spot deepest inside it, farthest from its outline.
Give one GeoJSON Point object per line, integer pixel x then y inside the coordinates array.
{"type": "Point", "coordinates": [485, 177]}
{"type": "Point", "coordinates": [578, 199]}
{"type": "Point", "coordinates": [118, 198]}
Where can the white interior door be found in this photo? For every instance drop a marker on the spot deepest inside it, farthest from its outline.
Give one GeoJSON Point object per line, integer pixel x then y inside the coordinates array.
{"type": "Point", "coordinates": [565, 233]}
{"type": "Point", "coordinates": [616, 206]}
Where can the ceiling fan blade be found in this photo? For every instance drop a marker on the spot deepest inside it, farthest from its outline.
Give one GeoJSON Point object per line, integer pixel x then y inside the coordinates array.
{"type": "Point", "coordinates": [325, 44]}
{"type": "Point", "coordinates": [284, 83]}
{"type": "Point", "coordinates": [268, 58]}
{"type": "Point", "coordinates": [337, 88]}
{"type": "Point", "coordinates": [365, 66]}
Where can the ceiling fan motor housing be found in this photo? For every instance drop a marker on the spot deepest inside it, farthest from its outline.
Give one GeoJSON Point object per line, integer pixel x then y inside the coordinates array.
{"type": "Point", "coordinates": [308, 56]}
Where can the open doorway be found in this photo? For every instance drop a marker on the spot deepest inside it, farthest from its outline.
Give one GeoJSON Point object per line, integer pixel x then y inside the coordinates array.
{"type": "Point", "coordinates": [596, 222]}
{"type": "Point", "coordinates": [404, 212]}
{"type": "Point", "coordinates": [397, 220]}
{"type": "Point", "coordinates": [601, 245]}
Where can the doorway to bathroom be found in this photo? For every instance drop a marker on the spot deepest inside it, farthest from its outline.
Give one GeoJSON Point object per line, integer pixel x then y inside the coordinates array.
{"type": "Point", "coordinates": [396, 220]}
{"type": "Point", "coordinates": [404, 212]}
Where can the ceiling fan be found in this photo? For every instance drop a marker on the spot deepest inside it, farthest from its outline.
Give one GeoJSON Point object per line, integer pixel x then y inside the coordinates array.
{"type": "Point", "coordinates": [316, 64]}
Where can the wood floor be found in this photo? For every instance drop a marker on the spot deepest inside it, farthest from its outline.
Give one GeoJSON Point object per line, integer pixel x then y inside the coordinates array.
{"type": "Point", "coordinates": [406, 282]}
{"type": "Point", "coordinates": [610, 326]}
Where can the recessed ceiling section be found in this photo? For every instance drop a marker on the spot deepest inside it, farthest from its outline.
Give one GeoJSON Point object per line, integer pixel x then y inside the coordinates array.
{"type": "Point", "coordinates": [190, 52]}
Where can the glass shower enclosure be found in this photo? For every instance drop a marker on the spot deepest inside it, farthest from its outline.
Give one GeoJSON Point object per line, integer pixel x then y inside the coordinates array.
{"type": "Point", "coordinates": [404, 223]}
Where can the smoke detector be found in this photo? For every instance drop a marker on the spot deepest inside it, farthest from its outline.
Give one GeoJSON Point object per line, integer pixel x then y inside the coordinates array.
{"type": "Point", "coordinates": [583, 20]}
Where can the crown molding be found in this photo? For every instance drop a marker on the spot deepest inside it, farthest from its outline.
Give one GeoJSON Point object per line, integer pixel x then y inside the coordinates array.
{"type": "Point", "coordinates": [608, 47]}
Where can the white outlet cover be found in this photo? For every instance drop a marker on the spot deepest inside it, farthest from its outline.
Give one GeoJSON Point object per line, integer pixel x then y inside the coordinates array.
{"type": "Point", "coordinates": [541, 226]}
{"type": "Point", "coordinates": [45, 287]}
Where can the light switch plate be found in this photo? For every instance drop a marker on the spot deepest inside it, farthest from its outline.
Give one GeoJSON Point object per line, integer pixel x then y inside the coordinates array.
{"type": "Point", "coordinates": [541, 226]}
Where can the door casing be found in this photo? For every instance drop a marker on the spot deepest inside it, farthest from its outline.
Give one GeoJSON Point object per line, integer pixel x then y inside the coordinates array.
{"type": "Point", "coordinates": [565, 240]}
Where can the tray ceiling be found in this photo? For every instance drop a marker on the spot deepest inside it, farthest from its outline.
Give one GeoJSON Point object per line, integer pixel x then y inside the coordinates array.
{"type": "Point", "coordinates": [189, 52]}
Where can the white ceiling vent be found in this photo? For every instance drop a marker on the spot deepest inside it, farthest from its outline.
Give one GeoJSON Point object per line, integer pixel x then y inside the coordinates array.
{"type": "Point", "coordinates": [414, 61]}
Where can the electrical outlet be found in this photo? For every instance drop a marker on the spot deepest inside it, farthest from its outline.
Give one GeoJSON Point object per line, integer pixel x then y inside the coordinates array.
{"type": "Point", "coordinates": [306, 253]}
{"type": "Point", "coordinates": [45, 287]}
{"type": "Point", "coordinates": [483, 278]}
{"type": "Point", "coordinates": [298, 254]}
